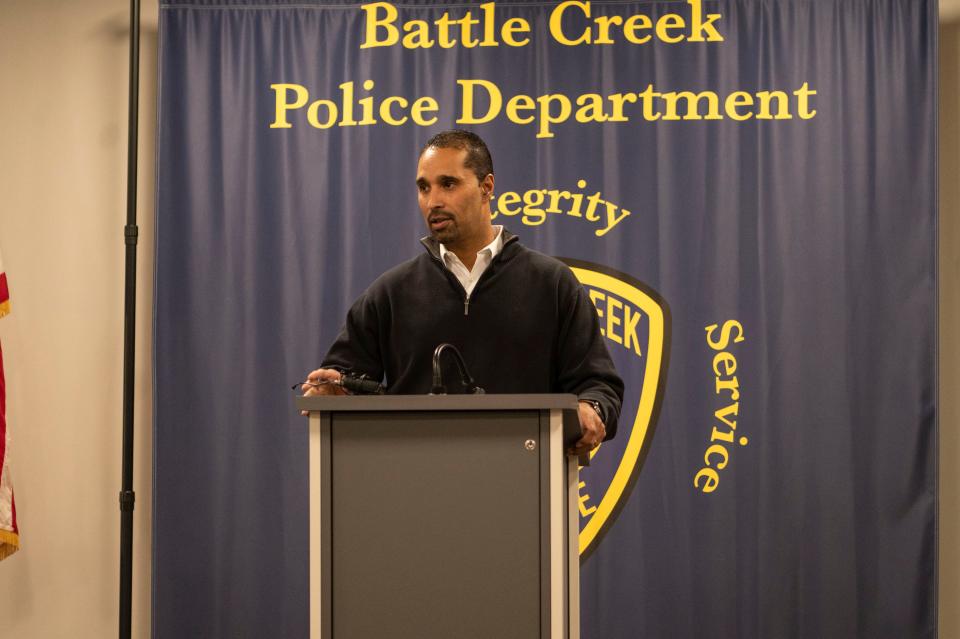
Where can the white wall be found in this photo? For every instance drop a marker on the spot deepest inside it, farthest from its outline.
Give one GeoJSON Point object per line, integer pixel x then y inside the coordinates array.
{"type": "Point", "coordinates": [63, 74]}
{"type": "Point", "coordinates": [949, 10]}
{"type": "Point", "coordinates": [63, 115]}
{"type": "Point", "coordinates": [949, 321]}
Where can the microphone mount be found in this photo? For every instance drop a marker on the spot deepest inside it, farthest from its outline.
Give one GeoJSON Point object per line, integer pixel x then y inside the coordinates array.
{"type": "Point", "coordinates": [468, 383]}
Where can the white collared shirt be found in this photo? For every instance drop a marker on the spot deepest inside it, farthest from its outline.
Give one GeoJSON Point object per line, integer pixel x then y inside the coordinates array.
{"type": "Point", "coordinates": [468, 278]}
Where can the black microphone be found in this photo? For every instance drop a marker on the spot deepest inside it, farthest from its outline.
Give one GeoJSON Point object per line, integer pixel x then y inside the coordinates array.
{"type": "Point", "coordinates": [360, 384]}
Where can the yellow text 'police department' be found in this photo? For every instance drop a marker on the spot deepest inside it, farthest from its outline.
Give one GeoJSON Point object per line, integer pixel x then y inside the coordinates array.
{"type": "Point", "coordinates": [482, 101]}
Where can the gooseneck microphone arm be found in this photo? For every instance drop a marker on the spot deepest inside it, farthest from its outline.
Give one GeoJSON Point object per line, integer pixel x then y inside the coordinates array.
{"type": "Point", "coordinates": [465, 378]}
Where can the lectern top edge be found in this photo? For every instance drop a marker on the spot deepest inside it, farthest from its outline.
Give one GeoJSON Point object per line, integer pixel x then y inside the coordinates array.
{"type": "Point", "coordinates": [341, 403]}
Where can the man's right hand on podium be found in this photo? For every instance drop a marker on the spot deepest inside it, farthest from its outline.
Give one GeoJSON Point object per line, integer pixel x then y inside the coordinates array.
{"type": "Point", "coordinates": [323, 381]}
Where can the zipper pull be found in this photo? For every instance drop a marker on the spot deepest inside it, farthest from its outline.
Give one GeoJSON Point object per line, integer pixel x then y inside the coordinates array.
{"type": "Point", "coordinates": [466, 305]}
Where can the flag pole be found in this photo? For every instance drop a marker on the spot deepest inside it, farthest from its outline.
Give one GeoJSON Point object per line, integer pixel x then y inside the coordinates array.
{"type": "Point", "coordinates": [130, 231]}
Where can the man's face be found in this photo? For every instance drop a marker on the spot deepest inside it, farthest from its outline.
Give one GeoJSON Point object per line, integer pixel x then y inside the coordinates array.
{"type": "Point", "coordinates": [454, 204]}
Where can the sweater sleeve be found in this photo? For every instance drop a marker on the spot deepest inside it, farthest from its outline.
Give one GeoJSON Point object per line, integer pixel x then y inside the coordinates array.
{"type": "Point", "coordinates": [584, 364]}
{"type": "Point", "coordinates": [357, 347]}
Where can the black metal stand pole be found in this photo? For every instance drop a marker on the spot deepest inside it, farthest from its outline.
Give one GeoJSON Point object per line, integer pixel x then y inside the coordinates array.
{"type": "Point", "coordinates": [127, 496]}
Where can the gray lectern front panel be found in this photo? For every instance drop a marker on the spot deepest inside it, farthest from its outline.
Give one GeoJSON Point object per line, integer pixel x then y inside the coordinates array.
{"type": "Point", "coordinates": [395, 480]}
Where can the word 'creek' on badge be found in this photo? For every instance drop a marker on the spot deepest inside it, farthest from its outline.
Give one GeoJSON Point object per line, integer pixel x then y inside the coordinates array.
{"type": "Point", "coordinates": [635, 321]}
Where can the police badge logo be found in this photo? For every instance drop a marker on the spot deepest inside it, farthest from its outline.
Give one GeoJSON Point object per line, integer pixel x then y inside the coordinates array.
{"type": "Point", "coordinates": [635, 320]}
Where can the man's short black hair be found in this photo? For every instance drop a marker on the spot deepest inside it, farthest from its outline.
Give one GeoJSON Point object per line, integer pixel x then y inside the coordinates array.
{"type": "Point", "coordinates": [478, 155]}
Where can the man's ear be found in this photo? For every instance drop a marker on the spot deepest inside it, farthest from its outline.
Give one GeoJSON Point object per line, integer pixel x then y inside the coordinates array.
{"type": "Point", "coordinates": [486, 186]}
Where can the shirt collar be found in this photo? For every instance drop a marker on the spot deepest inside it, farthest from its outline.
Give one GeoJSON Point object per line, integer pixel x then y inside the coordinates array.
{"type": "Point", "coordinates": [492, 249]}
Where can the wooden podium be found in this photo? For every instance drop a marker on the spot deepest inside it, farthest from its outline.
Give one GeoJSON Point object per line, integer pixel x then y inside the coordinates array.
{"type": "Point", "coordinates": [443, 517]}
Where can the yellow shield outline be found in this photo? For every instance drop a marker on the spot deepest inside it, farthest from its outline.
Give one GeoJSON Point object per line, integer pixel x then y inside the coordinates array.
{"type": "Point", "coordinates": [651, 393]}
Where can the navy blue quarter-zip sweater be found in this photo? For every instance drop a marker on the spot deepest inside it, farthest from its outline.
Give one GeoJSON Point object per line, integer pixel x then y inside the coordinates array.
{"type": "Point", "coordinates": [528, 327]}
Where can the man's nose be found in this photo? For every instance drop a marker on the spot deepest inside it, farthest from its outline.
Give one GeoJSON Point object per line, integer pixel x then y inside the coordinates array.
{"type": "Point", "coordinates": [435, 200]}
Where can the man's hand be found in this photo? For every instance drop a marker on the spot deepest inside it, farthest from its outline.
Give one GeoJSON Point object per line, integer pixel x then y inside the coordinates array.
{"type": "Point", "coordinates": [313, 385]}
{"type": "Point", "coordinates": [591, 429]}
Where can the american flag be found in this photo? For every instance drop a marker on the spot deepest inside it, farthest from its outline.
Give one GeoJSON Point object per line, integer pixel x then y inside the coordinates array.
{"type": "Point", "coordinates": [9, 534]}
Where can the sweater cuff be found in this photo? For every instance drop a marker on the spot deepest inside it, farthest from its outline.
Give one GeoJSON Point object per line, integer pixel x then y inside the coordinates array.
{"type": "Point", "coordinates": [595, 405]}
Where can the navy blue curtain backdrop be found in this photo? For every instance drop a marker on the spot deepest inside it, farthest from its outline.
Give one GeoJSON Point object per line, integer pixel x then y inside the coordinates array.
{"type": "Point", "coordinates": [749, 196]}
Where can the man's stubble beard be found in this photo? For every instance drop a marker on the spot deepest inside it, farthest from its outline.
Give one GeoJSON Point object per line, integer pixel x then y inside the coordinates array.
{"type": "Point", "coordinates": [448, 235]}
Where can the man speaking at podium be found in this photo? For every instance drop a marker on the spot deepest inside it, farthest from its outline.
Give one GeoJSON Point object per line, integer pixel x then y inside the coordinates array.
{"type": "Point", "coordinates": [520, 318]}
